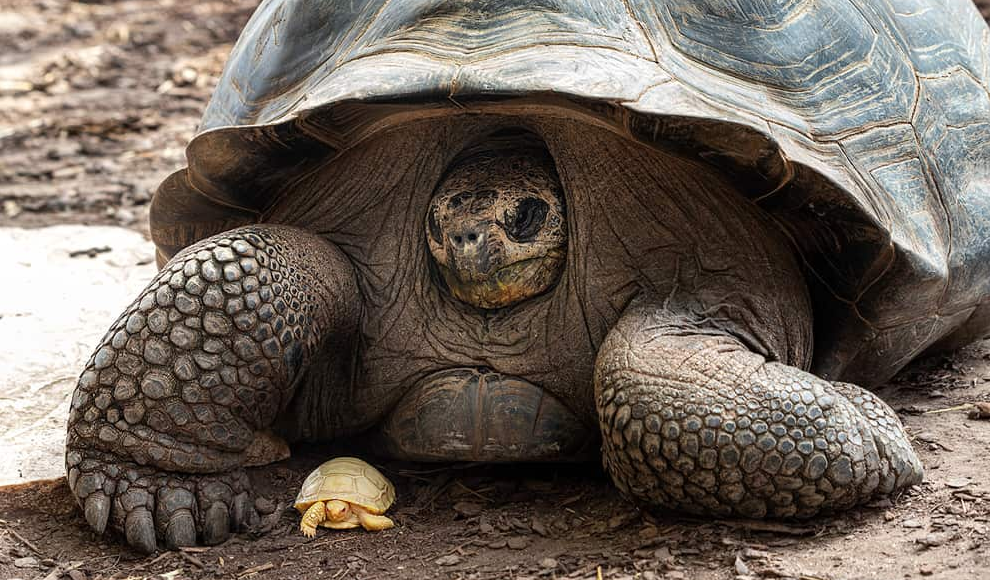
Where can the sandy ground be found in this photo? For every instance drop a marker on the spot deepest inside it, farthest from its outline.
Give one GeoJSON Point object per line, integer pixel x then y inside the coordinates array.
{"type": "Point", "coordinates": [97, 100]}
{"type": "Point", "coordinates": [64, 284]}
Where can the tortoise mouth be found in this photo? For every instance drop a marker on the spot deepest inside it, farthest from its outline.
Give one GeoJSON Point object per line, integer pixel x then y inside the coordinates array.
{"type": "Point", "coordinates": [507, 285]}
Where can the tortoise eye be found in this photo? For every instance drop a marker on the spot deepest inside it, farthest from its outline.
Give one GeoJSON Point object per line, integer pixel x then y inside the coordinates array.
{"type": "Point", "coordinates": [526, 221]}
{"type": "Point", "coordinates": [434, 226]}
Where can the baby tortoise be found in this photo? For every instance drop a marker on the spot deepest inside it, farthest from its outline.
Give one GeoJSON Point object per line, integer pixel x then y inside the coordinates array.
{"type": "Point", "coordinates": [345, 493]}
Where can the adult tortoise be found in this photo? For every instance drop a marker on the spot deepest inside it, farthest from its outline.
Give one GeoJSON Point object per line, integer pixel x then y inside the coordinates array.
{"type": "Point", "coordinates": [494, 231]}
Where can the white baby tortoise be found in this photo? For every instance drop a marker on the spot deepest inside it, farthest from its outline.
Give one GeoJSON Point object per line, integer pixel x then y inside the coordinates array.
{"type": "Point", "coordinates": [345, 493]}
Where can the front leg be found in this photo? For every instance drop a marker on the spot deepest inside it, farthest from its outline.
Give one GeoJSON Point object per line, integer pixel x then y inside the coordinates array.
{"type": "Point", "coordinates": [693, 420]}
{"type": "Point", "coordinates": [185, 384]}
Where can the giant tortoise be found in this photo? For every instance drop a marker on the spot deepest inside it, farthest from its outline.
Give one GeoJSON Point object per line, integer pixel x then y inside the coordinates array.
{"type": "Point", "coordinates": [672, 232]}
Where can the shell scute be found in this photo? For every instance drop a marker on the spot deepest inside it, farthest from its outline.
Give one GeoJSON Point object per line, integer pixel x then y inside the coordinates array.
{"type": "Point", "coordinates": [348, 479]}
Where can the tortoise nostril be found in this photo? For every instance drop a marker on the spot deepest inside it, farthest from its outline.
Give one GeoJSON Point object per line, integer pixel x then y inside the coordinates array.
{"type": "Point", "coordinates": [472, 237]}
{"type": "Point", "coordinates": [458, 239]}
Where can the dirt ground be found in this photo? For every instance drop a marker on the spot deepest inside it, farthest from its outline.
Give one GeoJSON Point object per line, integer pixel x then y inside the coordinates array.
{"type": "Point", "coordinates": [97, 101]}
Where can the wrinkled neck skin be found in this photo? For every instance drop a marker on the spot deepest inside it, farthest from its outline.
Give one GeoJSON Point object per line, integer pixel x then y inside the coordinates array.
{"type": "Point", "coordinates": [636, 222]}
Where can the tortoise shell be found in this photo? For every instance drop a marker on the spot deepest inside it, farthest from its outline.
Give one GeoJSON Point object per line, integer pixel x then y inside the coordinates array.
{"type": "Point", "coordinates": [862, 128]}
{"type": "Point", "coordinates": [348, 479]}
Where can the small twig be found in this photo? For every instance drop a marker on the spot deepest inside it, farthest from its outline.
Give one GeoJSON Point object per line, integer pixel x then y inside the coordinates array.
{"type": "Point", "coordinates": [158, 559]}
{"type": "Point", "coordinates": [91, 252]}
{"type": "Point", "coordinates": [471, 491]}
{"type": "Point", "coordinates": [572, 499]}
{"type": "Point", "coordinates": [23, 540]}
{"type": "Point", "coordinates": [772, 527]}
{"type": "Point", "coordinates": [460, 547]}
{"type": "Point", "coordinates": [192, 560]}
{"type": "Point", "coordinates": [949, 409]}
{"type": "Point", "coordinates": [256, 570]}
{"type": "Point", "coordinates": [452, 467]}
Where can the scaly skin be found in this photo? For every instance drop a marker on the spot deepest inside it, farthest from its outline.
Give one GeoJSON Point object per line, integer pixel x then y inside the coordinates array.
{"type": "Point", "coordinates": [197, 367]}
{"type": "Point", "coordinates": [313, 517]}
{"type": "Point", "coordinates": [692, 420]}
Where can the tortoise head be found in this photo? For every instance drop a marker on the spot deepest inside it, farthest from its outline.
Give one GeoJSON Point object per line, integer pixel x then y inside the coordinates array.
{"type": "Point", "coordinates": [337, 510]}
{"type": "Point", "coordinates": [497, 226]}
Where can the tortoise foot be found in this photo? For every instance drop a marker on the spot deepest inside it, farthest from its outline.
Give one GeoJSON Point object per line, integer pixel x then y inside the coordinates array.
{"type": "Point", "coordinates": [147, 505]}
{"type": "Point", "coordinates": [191, 378]}
{"type": "Point", "coordinates": [476, 415]}
{"type": "Point", "coordinates": [692, 420]}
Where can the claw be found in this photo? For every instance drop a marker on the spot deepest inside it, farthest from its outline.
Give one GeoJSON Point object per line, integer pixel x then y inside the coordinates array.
{"type": "Point", "coordinates": [181, 530]}
{"type": "Point", "coordinates": [140, 530]}
{"type": "Point", "coordinates": [216, 524]}
{"type": "Point", "coordinates": [97, 511]}
{"type": "Point", "coordinates": [242, 511]}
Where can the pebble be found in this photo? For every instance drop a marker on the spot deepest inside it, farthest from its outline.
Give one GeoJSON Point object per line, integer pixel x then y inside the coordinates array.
{"type": "Point", "coordinates": [485, 528]}
{"type": "Point", "coordinates": [539, 528]}
{"type": "Point", "coordinates": [548, 563]}
{"type": "Point", "coordinates": [932, 540]}
{"type": "Point", "coordinates": [913, 524]}
{"type": "Point", "coordinates": [498, 544]}
{"type": "Point", "coordinates": [468, 508]}
{"type": "Point", "coordinates": [980, 411]}
{"type": "Point", "coordinates": [76, 575]}
{"type": "Point", "coordinates": [741, 568]}
{"type": "Point", "coordinates": [517, 543]}
{"type": "Point", "coordinates": [448, 560]}
{"type": "Point", "coordinates": [957, 482]}
{"type": "Point", "coordinates": [26, 562]}
{"type": "Point", "coordinates": [926, 570]}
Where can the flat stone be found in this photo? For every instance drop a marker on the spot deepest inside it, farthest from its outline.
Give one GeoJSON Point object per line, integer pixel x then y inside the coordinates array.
{"type": "Point", "coordinates": [517, 543]}
{"type": "Point", "coordinates": [26, 562]}
{"type": "Point", "coordinates": [54, 312]}
{"type": "Point", "coordinates": [449, 560]}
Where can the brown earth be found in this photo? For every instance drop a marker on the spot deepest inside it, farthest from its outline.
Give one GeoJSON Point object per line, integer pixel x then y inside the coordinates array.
{"type": "Point", "coordinates": [97, 100]}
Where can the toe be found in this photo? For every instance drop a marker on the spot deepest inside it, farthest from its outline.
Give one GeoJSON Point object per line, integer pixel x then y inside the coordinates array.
{"type": "Point", "coordinates": [140, 530]}
{"type": "Point", "coordinates": [216, 524]}
{"type": "Point", "coordinates": [97, 510]}
{"type": "Point", "coordinates": [180, 531]}
{"type": "Point", "coordinates": [243, 506]}
{"type": "Point", "coordinates": [175, 517]}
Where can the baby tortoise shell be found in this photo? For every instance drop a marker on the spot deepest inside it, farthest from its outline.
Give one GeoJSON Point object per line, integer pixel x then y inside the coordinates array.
{"type": "Point", "coordinates": [345, 480]}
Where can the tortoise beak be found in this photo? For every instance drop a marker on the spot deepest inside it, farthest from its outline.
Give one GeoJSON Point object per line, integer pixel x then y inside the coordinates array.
{"type": "Point", "coordinates": [470, 253]}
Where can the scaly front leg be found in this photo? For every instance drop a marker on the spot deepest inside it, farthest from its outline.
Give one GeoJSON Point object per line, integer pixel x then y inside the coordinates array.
{"type": "Point", "coordinates": [693, 420]}
{"type": "Point", "coordinates": [195, 370]}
